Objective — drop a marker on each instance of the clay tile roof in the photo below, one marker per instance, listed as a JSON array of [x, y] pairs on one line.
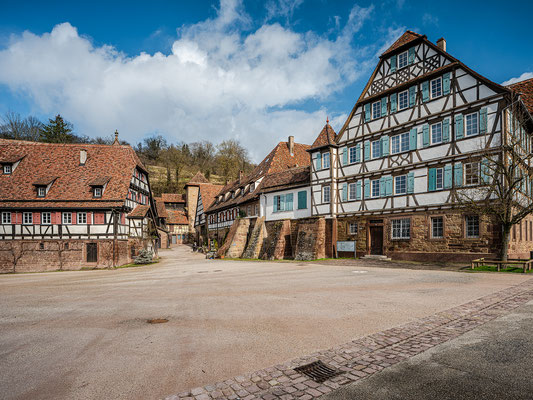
[[209, 191], [177, 217], [173, 198], [160, 206], [326, 137], [101, 181], [406, 38], [139, 211], [10, 159], [198, 178], [44, 181], [286, 179], [39, 162], [525, 88]]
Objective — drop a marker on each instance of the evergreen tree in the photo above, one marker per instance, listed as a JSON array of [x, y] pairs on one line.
[[57, 131]]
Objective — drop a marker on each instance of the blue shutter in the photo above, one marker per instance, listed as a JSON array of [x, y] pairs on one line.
[[393, 64], [367, 112], [276, 203], [367, 150], [393, 103], [288, 201], [358, 190], [384, 106], [410, 182], [446, 83], [302, 200], [383, 186], [344, 155], [483, 120], [448, 176], [319, 161], [458, 174], [389, 186], [459, 131], [412, 96], [413, 137], [485, 171], [384, 145], [432, 179], [282, 202], [446, 130], [425, 135], [358, 152], [344, 192], [367, 188], [425, 91], [411, 55]]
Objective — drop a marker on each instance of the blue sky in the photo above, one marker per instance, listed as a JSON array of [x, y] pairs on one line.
[[256, 71]]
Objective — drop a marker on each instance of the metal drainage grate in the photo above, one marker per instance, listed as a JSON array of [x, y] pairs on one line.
[[318, 371]]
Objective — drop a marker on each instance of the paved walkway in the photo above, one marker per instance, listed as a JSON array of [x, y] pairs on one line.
[[366, 356]]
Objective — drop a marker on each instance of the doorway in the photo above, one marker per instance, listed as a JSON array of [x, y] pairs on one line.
[[92, 253], [376, 240]]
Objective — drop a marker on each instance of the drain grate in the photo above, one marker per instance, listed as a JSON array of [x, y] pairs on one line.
[[318, 371]]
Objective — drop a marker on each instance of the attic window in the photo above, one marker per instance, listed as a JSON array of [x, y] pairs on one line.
[[41, 191], [402, 60], [7, 169], [252, 187], [97, 191]]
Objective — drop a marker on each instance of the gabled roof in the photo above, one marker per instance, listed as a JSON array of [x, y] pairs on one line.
[[525, 89], [406, 38], [173, 197], [160, 206], [139, 211], [326, 137], [44, 162], [293, 177], [198, 178]]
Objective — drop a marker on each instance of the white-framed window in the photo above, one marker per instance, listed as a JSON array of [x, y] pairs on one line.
[[41, 191], [437, 227], [6, 218], [27, 218], [82, 218], [352, 227], [66, 218], [436, 133], [46, 218], [325, 160], [472, 124], [376, 110], [439, 178], [401, 228], [400, 143], [7, 169], [375, 188], [403, 100], [376, 149], [403, 60], [326, 194], [436, 87], [353, 154], [472, 174], [97, 192], [352, 188], [400, 184], [472, 226]]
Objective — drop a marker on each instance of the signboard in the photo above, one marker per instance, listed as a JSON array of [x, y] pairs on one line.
[[346, 246]]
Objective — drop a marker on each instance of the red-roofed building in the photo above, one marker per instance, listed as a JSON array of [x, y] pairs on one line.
[[171, 211], [68, 206]]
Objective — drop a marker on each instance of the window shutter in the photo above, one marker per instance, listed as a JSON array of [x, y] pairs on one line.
[[319, 161], [425, 91], [458, 174], [282, 202], [358, 152], [302, 200], [410, 182], [289, 199], [393, 64], [413, 137], [344, 192], [384, 106], [358, 190], [412, 96], [344, 155], [432, 179], [37, 218], [367, 150], [446, 130], [448, 176], [393, 103], [411, 55], [459, 131], [483, 120], [367, 112], [367, 188], [383, 186], [385, 145], [446, 83], [425, 135], [122, 218], [90, 218], [276, 203], [485, 171], [74, 220], [389, 186]]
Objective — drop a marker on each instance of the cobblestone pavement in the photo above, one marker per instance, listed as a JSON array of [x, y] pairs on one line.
[[366, 356]]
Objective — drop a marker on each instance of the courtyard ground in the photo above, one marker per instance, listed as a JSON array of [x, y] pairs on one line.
[[84, 334]]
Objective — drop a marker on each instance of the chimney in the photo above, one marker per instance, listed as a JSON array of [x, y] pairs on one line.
[[83, 157], [291, 145], [441, 44], [241, 175], [116, 138]]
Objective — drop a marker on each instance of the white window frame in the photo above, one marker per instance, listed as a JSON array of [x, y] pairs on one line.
[[81, 217], [352, 155], [403, 141], [27, 218], [6, 218], [406, 92], [376, 144], [326, 193], [326, 156], [66, 218], [468, 230], [476, 119], [8, 169], [400, 58], [41, 191], [352, 191], [376, 115], [400, 177], [401, 229], [432, 227], [352, 228], [478, 178], [437, 95], [439, 178], [375, 184], [97, 192], [433, 128], [46, 218]]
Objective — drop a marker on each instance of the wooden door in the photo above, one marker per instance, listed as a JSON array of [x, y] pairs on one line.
[[376, 240], [92, 252]]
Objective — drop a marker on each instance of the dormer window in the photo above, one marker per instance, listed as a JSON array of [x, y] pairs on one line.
[[41, 191], [97, 191], [402, 60], [252, 187], [7, 169]]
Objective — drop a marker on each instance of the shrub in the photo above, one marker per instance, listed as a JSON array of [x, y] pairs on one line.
[[144, 257]]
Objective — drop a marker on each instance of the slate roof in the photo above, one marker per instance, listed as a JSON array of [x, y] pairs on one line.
[[173, 198], [525, 89], [177, 217], [326, 137], [407, 37], [42, 162], [293, 177]]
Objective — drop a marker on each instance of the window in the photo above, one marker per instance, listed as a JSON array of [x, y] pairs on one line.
[[352, 187], [402, 60], [376, 149], [82, 218], [302, 200], [403, 100], [41, 191], [6, 218], [436, 133], [400, 184], [7, 169], [471, 174], [352, 228], [401, 228], [283, 202], [472, 226], [436, 88], [437, 227], [252, 187], [400, 143], [326, 194], [46, 218], [353, 154], [376, 109], [439, 178], [67, 218], [471, 123], [41, 246], [27, 218], [97, 192], [325, 160], [375, 188]]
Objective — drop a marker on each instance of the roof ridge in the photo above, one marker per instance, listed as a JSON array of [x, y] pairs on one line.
[[34, 143]]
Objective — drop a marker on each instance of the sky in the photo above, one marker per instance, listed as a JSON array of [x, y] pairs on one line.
[[255, 71]]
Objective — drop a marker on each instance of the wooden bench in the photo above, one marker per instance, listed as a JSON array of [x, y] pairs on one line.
[[526, 264]]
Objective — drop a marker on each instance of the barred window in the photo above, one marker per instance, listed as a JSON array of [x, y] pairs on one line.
[[353, 228], [472, 226], [437, 227], [403, 100], [400, 184], [401, 228], [436, 87], [436, 133]]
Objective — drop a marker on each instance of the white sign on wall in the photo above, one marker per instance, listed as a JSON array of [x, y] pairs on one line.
[[346, 246]]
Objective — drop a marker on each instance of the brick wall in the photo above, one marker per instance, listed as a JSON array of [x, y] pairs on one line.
[[277, 240], [521, 243], [311, 241]]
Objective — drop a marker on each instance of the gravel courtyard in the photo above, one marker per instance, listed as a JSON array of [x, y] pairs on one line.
[[84, 334]]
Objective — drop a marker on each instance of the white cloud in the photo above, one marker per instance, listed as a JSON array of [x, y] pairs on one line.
[[221, 80], [429, 19], [523, 77], [281, 8]]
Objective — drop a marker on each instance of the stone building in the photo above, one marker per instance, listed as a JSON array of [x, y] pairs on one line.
[[72, 206]]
